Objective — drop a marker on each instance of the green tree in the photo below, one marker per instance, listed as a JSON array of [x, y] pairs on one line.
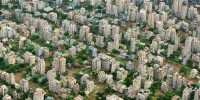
[[66, 47], [126, 42], [127, 81], [109, 90], [185, 70], [190, 62], [89, 7], [114, 75], [142, 38], [100, 96], [82, 93], [155, 85], [151, 29], [115, 51], [94, 73], [44, 81], [166, 96], [69, 59], [70, 97]]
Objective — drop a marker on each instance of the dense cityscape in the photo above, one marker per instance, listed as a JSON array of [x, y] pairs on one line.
[[99, 49]]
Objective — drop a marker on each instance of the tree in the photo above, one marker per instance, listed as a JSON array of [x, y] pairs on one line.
[[89, 7], [30, 48], [66, 47], [70, 97], [36, 77], [151, 29], [192, 95], [69, 59], [94, 73], [44, 81], [100, 7], [2, 62], [126, 42], [94, 29], [15, 6], [185, 70], [114, 75], [34, 37], [142, 38], [77, 75], [66, 34], [130, 52], [166, 96], [100, 96], [127, 81], [190, 62], [155, 85], [141, 46], [151, 38], [131, 73], [58, 76], [26, 95], [12, 86], [82, 93], [108, 90], [115, 51], [81, 57]]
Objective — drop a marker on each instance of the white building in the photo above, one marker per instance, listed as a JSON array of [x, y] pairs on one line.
[[41, 66], [24, 85], [7, 97], [38, 94], [55, 86]]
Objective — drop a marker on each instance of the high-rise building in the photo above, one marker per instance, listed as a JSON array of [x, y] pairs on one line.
[[184, 11], [84, 30], [59, 63], [24, 85], [38, 94], [55, 86], [7, 97], [4, 90], [116, 41], [150, 20], [133, 44], [4, 2], [59, 2], [41, 66], [51, 74]]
